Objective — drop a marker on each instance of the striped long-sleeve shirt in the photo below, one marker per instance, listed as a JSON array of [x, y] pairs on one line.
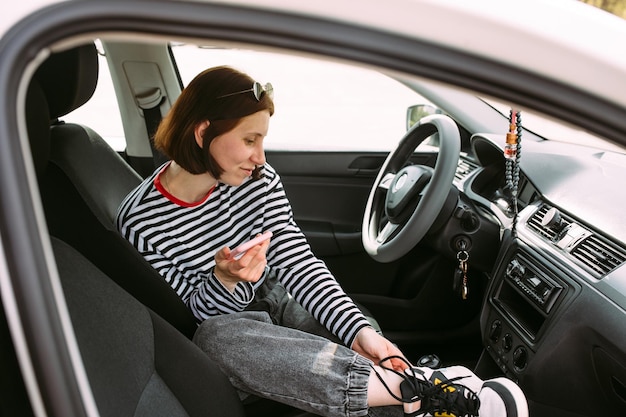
[[180, 241]]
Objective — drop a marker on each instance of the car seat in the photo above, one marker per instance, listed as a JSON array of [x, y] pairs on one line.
[[83, 180], [137, 363]]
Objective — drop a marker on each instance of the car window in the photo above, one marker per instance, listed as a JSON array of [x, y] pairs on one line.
[[320, 105]]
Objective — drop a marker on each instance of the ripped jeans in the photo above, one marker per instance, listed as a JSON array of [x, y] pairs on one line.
[[278, 351]]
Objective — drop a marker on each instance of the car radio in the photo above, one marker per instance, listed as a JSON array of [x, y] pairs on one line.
[[540, 289], [527, 293]]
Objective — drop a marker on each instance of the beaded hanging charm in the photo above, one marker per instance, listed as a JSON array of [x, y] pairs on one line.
[[512, 152]]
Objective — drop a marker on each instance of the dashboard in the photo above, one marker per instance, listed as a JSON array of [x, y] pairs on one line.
[[554, 317]]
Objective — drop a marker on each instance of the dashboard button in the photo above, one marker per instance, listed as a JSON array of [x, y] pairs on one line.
[[507, 342], [495, 331], [520, 358]]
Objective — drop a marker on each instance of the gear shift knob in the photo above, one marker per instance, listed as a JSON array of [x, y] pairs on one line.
[[431, 361]]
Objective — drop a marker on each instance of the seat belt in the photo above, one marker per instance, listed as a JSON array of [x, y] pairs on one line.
[[150, 103]]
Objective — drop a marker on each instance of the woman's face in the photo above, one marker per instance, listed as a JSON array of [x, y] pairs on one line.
[[240, 150]]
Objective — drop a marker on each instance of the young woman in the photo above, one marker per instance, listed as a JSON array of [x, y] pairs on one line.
[[275, 319]]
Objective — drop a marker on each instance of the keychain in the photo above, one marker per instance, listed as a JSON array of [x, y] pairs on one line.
[[460, 274]]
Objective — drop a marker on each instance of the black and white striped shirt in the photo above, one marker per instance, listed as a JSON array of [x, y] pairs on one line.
[[180, 241]]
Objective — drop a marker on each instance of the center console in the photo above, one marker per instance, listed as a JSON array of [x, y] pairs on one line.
[[523, 297]]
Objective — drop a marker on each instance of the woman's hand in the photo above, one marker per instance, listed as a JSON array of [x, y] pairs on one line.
[[248, 268], [375, 347]]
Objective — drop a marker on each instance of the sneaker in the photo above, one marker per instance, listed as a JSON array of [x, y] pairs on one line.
[[457, 392]]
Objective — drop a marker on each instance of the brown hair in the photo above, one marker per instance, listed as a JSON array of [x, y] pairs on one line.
[[207, 97]]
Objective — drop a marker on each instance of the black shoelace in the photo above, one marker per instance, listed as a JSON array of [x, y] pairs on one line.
[[433, 397]]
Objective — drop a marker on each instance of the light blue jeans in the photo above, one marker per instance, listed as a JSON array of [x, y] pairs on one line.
[[277, 350]]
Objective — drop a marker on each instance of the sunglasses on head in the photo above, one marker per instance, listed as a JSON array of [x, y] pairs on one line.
[[257, 89]]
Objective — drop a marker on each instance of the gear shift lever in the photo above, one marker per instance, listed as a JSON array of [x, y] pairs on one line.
[[431, 361]]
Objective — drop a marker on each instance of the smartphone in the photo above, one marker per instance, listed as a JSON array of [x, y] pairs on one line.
[[241, 249]]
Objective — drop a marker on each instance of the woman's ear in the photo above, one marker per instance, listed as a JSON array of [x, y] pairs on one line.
[[199, 131]]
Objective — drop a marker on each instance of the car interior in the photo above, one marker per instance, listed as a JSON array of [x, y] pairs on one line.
[[142, 332], [527, 306]]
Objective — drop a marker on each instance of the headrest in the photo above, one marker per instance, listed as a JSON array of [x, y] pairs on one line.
[[69, 78], [38, 125]]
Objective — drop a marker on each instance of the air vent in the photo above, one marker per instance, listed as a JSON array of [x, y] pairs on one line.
[[596, 253], [535, 223], [464, 168]]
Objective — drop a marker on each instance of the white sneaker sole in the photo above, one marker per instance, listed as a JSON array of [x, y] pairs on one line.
[[512, 395]]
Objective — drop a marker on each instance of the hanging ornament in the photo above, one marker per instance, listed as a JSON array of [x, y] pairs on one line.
[[510, 149], [512, 153]]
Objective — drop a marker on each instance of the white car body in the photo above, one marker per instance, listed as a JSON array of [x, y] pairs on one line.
[[520, 36]]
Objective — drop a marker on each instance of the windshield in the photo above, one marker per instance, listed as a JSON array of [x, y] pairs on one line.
[[556, 131]]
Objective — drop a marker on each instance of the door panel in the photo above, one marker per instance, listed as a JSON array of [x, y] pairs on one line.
[[328, 192]]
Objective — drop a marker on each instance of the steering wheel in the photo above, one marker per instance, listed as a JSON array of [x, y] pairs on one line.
[[405, 199]]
